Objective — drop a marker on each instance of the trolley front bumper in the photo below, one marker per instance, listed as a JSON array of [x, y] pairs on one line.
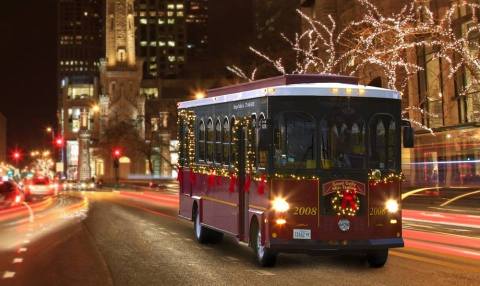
[[306, 246]]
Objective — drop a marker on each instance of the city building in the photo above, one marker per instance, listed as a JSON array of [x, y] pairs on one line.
[[79, 97], [451, 155], [161, 37], [3, 138], [81, 41], [80, 46]]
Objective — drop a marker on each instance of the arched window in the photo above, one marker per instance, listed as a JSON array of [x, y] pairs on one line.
[[391, 142], [233, 146], [261, 152], [226, 142], [210, 141], [294, 140], [218, 142], [383, 139], [201, 141], [252, 139], [342, 135]]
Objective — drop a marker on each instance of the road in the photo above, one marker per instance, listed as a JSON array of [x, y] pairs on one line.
[[124, 238]]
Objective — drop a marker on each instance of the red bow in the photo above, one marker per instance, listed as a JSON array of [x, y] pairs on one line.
[[233, 182], [262, 184], [248, 182], [180, 175], [211, 179], [349, 200], [193, 178]]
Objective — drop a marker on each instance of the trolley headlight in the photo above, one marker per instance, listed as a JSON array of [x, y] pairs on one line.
[[280, 205], [391, 206]]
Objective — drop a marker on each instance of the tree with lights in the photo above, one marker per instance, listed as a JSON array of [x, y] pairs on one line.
[[382, 43]]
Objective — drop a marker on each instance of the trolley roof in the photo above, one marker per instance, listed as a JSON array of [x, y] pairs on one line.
[[293, 85]]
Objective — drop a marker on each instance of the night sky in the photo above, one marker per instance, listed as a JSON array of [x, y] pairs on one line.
[[28, 80]]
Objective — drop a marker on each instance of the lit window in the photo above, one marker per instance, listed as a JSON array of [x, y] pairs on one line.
[[169, 13], [161, 44], [171, 21], [142, 14], [180, 14], [171, 6], [179, 6], [143, 43], [161, 21], [143, 21], [181, 59], [153, 44], [171, 58], [171, 43]]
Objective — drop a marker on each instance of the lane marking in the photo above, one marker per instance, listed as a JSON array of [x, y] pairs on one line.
[[26, 241], [262, 272], [17, 260], [8, 274], [22, 249]]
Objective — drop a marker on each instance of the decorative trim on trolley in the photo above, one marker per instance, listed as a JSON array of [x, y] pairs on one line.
[[206, 198]]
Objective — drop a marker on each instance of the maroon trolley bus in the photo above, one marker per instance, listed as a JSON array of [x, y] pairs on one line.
[[296, 163]]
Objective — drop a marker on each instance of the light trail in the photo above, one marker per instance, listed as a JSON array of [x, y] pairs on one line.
[[408, 194], [459, 197], [442, 249], [469, 221]]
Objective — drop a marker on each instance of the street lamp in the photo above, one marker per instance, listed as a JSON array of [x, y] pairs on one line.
[[200, 94], [95, 108]]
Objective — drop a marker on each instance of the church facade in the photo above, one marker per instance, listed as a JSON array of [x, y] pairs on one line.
[[120, 101]]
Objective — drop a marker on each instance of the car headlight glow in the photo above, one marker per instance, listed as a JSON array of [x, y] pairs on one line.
[[280, 205], [391, 206]]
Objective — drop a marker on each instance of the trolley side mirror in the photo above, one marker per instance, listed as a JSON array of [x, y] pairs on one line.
[[408, 134]]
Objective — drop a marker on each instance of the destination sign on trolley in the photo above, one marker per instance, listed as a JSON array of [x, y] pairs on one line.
[[339, 185]]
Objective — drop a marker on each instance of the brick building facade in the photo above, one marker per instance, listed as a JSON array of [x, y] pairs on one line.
[[450, 156]]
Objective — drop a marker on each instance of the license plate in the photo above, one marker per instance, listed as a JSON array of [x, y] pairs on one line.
[[302, 234]]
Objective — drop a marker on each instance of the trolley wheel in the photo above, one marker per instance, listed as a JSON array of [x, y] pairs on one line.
[[201, 232], [204, 234], [377, 258], [265, 256]]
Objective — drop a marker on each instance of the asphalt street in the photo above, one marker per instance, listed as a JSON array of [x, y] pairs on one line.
[[106, 238]]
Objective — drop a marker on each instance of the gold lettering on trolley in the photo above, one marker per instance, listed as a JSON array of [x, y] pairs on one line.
[[377, 211], [305, 211]]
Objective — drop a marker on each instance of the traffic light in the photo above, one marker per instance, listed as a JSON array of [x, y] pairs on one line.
[[17, 156], [117, 153], [59, 142]]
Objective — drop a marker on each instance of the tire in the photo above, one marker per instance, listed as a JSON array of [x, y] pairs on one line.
[[204, 234], [377, 258], [201, 232], [265, 256]]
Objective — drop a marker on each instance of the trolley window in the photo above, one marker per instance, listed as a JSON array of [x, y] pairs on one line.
[[382, 142], [294, 140]]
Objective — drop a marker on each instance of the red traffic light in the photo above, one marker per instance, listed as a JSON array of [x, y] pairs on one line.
[[16, 155], [59, 142], [117, 153]]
